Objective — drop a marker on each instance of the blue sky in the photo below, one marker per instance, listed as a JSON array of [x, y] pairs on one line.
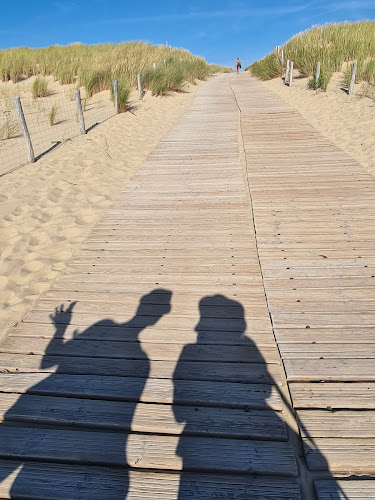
[[218, 30]]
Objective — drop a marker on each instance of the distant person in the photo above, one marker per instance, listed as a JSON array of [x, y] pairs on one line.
[[238, 64]]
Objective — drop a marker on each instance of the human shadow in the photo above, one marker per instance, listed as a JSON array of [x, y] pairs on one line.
[[243, 432], [87, 366]]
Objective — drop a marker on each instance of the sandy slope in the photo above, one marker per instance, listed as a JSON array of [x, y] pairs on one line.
[[347, 121], [48, 208]]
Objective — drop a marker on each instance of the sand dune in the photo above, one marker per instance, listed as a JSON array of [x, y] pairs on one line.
[[48, 208]]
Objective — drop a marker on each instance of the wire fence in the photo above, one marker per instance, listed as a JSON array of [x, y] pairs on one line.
[[50, 121]]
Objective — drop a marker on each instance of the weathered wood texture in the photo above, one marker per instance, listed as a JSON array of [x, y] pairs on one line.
[[355, 490], [155, 350], [104, 483], [314, 216]]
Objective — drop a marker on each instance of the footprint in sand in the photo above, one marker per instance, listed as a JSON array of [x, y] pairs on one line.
[[55, 195], [3, 198], [58, 255], [37, 239], [34, 266]]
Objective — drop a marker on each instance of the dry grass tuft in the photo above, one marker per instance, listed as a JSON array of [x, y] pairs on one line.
[[9, 129], [52, 115], [39, 87]]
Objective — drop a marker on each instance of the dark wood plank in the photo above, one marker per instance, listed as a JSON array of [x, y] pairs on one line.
[[79, 482], [140, 417], [148, 451], [133, 350], [188, 370], [166, 391]]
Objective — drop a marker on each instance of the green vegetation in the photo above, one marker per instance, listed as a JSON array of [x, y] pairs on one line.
[[123, 92], [215, 68], [52, 115], [95, 66], [267, 68], [332, 45], [39, 87]]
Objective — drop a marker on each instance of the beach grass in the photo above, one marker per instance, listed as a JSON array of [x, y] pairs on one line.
[[335, 46], [52, 115], [9, 129], [39, 87], [95, 66]]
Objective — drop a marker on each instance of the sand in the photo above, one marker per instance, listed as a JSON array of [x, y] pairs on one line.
[[48, 208], [347, 121]]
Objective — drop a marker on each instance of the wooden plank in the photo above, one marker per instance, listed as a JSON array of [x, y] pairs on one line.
[[85, 321], [300, 283], [226, 310], [188, 370], [341, 369], [80, 482], [337, 424], [324, 351], [341, 456], [315, 306], [335, 320], [130, 298], [230, 290], [133, 389], [325, 335], [133, 350], [140, 417], [359, 489], [149, 451], [337, 395], [155, 335]]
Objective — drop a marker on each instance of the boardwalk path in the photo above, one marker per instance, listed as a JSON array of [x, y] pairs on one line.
[[151, 369]]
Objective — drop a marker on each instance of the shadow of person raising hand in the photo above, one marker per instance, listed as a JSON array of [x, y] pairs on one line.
[[103, 364]]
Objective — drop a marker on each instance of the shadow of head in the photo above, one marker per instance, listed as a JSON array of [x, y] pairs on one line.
[[154, 306], [221, 314]]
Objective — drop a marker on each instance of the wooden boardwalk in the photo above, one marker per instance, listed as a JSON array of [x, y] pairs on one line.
[[152, 368]]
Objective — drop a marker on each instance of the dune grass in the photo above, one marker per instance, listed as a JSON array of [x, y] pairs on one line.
[[39, 87], [95, 66], [52, 115], [332, 45], [8, 129], [123, 92]]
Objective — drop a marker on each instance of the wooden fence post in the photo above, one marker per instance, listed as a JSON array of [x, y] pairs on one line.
[[154, 66], [287, 71], [282, 57], [115, 94], [352, 78], [165, 63], [25, 131], [291, 73], [139, 86], [317, 73], [80, 112]]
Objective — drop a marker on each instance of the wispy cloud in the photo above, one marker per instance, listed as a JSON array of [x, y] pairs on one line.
[[205, 15], [66, 7]]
